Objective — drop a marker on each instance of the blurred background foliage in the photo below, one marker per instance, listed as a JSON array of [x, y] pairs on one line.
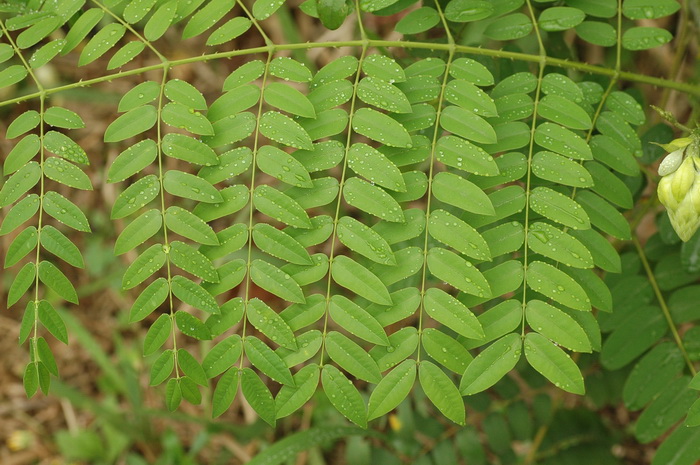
[[103, 412]]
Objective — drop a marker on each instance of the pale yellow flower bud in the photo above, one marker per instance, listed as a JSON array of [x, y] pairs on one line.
[[679, 190]]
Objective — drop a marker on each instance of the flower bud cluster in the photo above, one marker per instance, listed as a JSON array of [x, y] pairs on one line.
[[679, 188]]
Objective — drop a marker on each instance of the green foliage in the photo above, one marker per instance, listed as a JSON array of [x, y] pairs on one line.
[[416, 224]]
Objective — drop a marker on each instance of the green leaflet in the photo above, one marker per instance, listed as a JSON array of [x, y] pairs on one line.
[[267, 361], [63, 118], [19, 213], [55, 280], [289, 399], [157, 334], [192, 326], [189, 225], [288, 99], [184, 93], [189, 149], [445, 350], [452, 313], [231, 275], [557, 326], [230, 313], [193, 294], [357, 320], [235, 197], [12, 75], [557, 285], [323, 191], [348, 273], [284, 130], [149, 299], [58, 244], [51, 320], [276, 281], [173, 393], [21, 245], [280, 244], [131, 123], [162, 367], [382, 94], [65, 147], [559, 208], [299, 316], [450, 230], [66, 173], [364, 240], [558, 245], [380, 128], [280, 206], [138, 231], [371, 164], [230, 164], [609, 186], [553, 363], [277, 163], [225, 391], [469, 97], [125, 54], [459, 273], [468, 125], [46, 356], [462, 154], [230, 240], [21, 284], [491, 364], [189, 186], [392, 389], [268, 322], [563, 141], [222, 356], [19, 183], [21, 154], [651, 375], [132, 160], [441, 392], [372, 199], [141, 94], [403, 343], [23, 123], [455, 190], [65, 211], [229, 31], [309, 344], [352, 357], [136, 196], [150, 261], [180, 116], [556, 168], [344, 395], [191, 367]]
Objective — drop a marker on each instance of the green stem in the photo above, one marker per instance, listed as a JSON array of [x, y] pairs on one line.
[[42, 102], [690, 89], [662, 303], [252, 208], [166, 243], [431, 169], [531, 147], [348, 141]]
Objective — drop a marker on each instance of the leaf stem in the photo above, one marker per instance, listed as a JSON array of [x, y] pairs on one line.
[[662, 303], [436, 134], [690, 89], [348, 141]]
